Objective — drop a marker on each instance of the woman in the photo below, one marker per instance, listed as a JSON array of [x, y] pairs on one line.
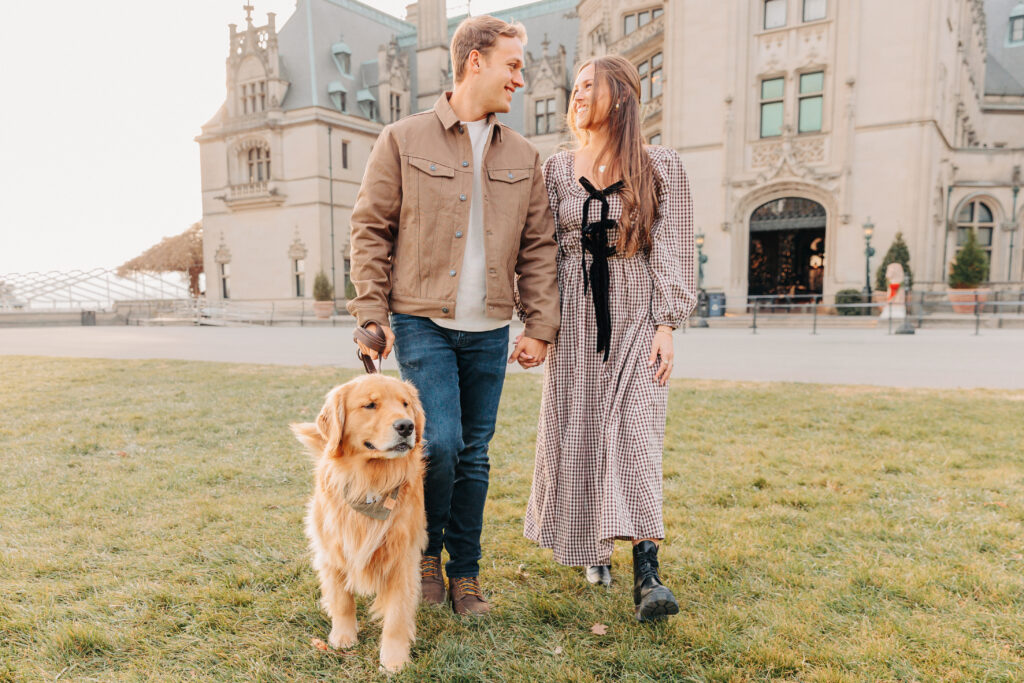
[[625, 271]]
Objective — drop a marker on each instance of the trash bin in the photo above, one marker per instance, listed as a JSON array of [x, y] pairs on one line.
[[88, 318], [716, 304]]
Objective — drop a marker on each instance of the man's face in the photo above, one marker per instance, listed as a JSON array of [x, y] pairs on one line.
[[501, 73]]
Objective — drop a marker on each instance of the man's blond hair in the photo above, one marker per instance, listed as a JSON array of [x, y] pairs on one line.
[[480, 34]]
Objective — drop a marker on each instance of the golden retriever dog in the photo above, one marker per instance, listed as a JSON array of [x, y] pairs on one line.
[[366, 523]]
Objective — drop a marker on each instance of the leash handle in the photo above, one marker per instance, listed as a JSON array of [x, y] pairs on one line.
[[372, 340]]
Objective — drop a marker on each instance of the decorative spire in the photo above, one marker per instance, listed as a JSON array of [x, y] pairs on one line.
[[545, 44], [248, 13]]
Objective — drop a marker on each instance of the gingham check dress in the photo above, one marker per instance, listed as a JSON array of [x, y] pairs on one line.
[[597, 475]]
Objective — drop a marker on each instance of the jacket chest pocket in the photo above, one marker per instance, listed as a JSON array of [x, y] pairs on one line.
[[434, 182], [510, 191]]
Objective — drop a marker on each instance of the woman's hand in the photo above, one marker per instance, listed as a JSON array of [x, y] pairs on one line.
[[662, 346]]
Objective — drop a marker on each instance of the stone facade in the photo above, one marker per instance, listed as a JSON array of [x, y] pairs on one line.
[[797, 120]]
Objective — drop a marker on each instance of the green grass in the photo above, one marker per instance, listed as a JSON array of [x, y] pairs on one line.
[[150, 529]]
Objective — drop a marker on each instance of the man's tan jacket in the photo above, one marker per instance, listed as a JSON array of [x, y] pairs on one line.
[[412, 213]]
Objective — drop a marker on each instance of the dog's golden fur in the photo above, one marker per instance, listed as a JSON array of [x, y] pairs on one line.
[[354, 553]]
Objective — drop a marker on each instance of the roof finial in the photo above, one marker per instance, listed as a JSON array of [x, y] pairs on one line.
[[248, 12], [545, 43]]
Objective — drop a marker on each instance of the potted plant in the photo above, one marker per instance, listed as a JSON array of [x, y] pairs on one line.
[[969, 269], [323, 296]]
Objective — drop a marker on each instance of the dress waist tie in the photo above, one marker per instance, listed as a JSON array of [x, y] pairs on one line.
[[594, 239]]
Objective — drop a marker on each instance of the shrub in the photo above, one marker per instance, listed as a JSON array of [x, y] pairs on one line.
[[898, 253], [850, 296], [322, 290], [970, 268]]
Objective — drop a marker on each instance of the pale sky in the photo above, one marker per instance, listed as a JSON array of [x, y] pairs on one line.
[[100, 107]]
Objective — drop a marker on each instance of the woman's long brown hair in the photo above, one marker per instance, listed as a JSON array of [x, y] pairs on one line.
[[623, 155]]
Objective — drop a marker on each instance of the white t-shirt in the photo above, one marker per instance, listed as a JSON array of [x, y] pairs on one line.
[[471, 297]]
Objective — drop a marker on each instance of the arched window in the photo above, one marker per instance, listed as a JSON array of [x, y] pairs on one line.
[[976, 217], [257, 164]]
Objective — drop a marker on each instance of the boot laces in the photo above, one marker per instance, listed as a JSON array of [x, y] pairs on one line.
[[430, 566], [647, 568], [468, 585]]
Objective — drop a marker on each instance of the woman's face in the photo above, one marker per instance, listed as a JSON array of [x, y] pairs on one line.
[[590, 112]]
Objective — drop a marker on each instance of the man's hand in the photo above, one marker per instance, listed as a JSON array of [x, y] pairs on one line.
[[389, 337], [529, 352]]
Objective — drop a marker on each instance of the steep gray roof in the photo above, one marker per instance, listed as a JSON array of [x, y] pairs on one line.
[[305, 41], [1004, 70]]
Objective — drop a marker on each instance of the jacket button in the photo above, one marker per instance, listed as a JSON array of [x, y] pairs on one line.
[[465, 164], [462, 197], [510, 175], [444, 309], [461, 129], [433, 167], [458, 233], [493, 272], [451, 273]]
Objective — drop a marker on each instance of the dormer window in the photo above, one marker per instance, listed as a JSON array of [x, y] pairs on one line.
[[254, 97], [368, 103], [544, 116], [337, 92], [342, 55], [1016, 36]]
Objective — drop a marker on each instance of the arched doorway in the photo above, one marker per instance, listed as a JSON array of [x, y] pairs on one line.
[[787, 248]]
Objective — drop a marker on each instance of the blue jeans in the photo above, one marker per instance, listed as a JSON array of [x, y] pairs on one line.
[[459, 376]]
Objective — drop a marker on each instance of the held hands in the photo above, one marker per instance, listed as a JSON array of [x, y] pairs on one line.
[[662, 346], [388, 335], [529, 352]]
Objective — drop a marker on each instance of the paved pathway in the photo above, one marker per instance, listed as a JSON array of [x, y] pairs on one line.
[[930, 358]]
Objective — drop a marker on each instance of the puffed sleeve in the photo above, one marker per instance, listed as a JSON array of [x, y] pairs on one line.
[[672, 259]]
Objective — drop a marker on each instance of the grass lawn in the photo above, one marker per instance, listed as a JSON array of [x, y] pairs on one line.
[[150, 529]]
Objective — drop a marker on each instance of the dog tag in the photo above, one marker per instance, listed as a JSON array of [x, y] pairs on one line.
[[389, 503], [371, 499]]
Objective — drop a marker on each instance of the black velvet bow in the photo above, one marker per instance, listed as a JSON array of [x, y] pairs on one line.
[[594, 238]]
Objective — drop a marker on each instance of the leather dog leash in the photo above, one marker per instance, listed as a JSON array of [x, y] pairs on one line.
[[371, 340]]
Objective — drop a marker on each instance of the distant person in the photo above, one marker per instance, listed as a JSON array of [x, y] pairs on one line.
[[429, 251], [625, 234]]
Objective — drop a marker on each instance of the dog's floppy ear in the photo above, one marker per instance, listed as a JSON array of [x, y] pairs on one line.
[[308, 434], [331, 423], [418, 417]]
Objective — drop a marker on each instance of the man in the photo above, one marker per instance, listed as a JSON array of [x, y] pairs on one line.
[[452, 209]]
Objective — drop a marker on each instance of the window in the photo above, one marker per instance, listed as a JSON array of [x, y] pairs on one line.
[[299, 276], [774, 13], [976, 217], [345, 62], [396, 106], [636, 20], [651, 83], [655, 139], [811, 100], [225, 272], [1017, 29], [258, 164], [344, 153], [544, 116], [815, 9], [350, 290], [338, 95], [254, 97], [771, 107]]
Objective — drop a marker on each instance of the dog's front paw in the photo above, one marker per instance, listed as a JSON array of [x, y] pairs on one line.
[[394, 656], [342, 638]]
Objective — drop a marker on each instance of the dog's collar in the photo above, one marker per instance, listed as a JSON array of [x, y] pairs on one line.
[[375, 507]]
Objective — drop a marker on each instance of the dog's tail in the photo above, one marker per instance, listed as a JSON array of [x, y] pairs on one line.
[[308, 434]]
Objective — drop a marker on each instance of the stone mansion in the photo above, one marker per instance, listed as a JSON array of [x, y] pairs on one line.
[[799, 121]]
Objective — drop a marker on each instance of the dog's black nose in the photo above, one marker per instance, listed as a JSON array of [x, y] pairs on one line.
[[403, 427]]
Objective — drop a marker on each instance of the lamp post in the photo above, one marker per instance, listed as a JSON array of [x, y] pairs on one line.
[[869, 251], [702, 296]]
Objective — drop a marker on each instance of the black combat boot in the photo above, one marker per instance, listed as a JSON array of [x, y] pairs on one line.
[[652, 598]]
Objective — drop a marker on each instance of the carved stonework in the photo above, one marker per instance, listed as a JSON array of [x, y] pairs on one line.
[[766, 154], [223, 254], [297, 251], [639, 39], [809, 151]]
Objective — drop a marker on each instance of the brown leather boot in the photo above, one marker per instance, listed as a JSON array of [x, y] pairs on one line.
[[467, 598], [432, 581]]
